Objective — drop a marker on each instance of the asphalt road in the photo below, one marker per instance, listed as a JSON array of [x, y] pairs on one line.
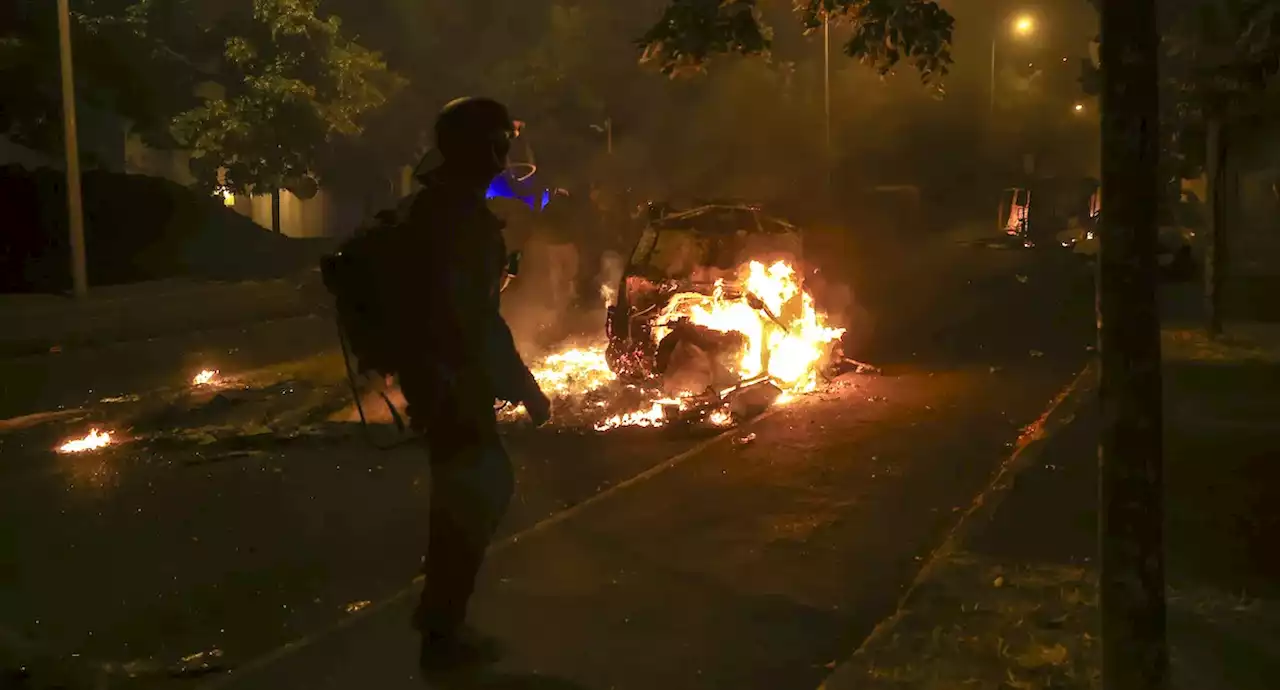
[[80, 376], [750, 563]]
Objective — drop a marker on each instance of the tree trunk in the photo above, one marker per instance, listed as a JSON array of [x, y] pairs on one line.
[[1217, 193], [275, 211], [1131, 511]]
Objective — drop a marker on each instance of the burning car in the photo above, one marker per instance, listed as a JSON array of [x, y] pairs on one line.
[[713, 297]]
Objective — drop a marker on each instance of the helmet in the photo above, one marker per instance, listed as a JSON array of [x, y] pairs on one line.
[[467, 125], [473, 116], [472, 132]]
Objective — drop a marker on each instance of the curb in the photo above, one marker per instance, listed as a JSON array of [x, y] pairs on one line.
[[1031, 443], [198, 307], [36, 347]]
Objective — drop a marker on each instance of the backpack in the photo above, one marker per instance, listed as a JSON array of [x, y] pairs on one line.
[[356, 275]]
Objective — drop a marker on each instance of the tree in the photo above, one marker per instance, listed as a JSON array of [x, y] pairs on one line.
[[1221, 58], [886, 33], [1130, 450], [288, 82], [548, 59], [122, 67]]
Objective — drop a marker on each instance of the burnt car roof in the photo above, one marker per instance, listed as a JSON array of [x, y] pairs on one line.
[[723, 218]]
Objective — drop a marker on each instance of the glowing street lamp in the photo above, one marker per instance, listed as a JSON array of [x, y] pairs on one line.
[[1022, 26], [1079, 108]]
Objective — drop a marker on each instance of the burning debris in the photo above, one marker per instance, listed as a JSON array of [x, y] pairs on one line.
[[573, 372], [92, 441], [205, 378]]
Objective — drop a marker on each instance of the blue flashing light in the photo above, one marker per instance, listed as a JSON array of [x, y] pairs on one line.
[[501, 188]]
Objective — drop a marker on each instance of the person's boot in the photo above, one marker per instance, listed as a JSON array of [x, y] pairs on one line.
[[462, 650]]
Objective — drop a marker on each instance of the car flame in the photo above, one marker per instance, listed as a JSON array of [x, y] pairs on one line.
[[786, 338]]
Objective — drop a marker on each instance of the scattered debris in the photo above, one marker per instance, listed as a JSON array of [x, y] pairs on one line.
[[229, 455], [860, 367], [1021, 278], [1037, 353], [744, 440], [199, 664], [356, 605]]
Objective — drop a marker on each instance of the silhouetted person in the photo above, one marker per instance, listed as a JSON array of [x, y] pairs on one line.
[[456, 356]]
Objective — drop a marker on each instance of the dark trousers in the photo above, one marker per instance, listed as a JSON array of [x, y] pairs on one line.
[[471, 487]]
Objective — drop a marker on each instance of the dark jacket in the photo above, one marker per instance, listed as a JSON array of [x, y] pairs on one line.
[[456, 351]]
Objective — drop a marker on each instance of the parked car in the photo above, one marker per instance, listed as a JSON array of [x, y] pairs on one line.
[[1179, 253], [689, 251]]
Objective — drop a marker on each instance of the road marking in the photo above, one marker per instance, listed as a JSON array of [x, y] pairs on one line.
[[546, 523], [1030, 444]]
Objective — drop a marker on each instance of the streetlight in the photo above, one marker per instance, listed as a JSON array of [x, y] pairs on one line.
[[826, 74], [1023, 26], [826, 94], [1079, 108], [75, 209]]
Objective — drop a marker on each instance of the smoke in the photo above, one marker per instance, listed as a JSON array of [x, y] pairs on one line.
[[609, 277], [542, 296]]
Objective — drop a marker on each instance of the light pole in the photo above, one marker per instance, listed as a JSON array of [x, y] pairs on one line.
[[75, 211], [1023, 25], [826, 99], [826, 76]]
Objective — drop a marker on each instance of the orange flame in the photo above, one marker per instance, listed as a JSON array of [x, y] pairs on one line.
[[92, 441], [205, 377], [787, 340], [786, 336]]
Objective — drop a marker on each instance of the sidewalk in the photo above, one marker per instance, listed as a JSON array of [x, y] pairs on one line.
[[1015, 606], [37, 324]]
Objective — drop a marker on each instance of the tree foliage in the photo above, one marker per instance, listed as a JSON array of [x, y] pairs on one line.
[[290, 82], [122, 67], [1219, 58], [885, 33], [256, 89]]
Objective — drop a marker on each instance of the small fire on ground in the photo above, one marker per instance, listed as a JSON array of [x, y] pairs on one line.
[[785, 339], [92, 441], [205, 378]]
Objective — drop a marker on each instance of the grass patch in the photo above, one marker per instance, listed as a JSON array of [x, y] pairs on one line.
[[977, 624], [1241, 344]]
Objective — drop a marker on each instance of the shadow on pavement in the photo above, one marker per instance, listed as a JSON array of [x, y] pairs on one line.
[[506, 681], [1222, 475]]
